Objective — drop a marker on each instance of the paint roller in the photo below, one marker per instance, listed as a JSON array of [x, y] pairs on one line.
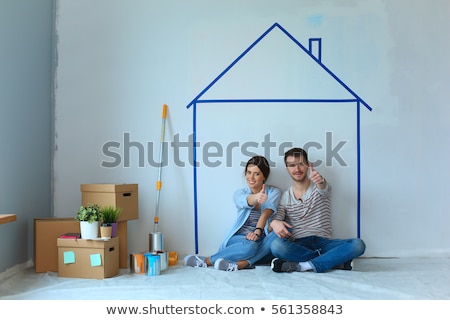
[[159, 182], [156, 238]]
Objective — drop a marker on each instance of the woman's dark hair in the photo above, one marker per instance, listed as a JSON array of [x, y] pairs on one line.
[[261, 163], [296, 153]]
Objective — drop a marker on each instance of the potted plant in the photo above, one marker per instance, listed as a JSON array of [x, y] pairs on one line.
[[89, 217], [110, 215]]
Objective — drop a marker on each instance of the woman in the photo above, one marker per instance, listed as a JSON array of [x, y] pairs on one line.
[[255, 204]]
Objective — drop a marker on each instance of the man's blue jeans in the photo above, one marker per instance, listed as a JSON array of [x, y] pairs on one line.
[[323, 254]]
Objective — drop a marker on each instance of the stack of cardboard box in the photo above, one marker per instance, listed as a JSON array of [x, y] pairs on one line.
[[47, 232]]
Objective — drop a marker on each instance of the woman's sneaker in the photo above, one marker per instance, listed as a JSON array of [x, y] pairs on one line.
[[225, 265], [195, 261], [280, 265]]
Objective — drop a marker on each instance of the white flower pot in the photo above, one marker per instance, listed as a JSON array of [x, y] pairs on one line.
[[89, 230]]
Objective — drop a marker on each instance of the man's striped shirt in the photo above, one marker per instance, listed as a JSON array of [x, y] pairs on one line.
[[309, 216]]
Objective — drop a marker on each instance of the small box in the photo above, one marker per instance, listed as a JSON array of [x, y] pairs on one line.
[[46, 231], [92, 259], [123, 196]]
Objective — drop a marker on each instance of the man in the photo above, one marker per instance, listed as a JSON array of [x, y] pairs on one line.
[[303, 223]]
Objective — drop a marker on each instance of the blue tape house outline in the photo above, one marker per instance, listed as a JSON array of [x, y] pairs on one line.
[[317, 58]]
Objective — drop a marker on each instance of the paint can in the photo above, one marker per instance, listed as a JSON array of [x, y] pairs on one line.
[[153, 264], [155, 242], [163, 256], [137, 263], [173, 258]]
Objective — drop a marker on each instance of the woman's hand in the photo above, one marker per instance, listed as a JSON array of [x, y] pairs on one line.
[[253, 236], [262, 196]]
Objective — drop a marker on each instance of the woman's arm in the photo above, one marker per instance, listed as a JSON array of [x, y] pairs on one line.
[[260, 225]]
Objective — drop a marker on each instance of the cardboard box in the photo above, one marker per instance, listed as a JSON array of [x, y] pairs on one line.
[[122, 233], [46, 231], [92, 259], [124, 196]]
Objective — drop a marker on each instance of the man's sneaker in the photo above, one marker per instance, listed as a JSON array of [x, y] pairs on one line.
[[348, 265], [225, 265], [195, 261], [280, 265]]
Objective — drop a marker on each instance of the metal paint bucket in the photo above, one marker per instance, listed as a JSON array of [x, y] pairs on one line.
[[153, 264], [137, 263], [164, 260], [155, 242]]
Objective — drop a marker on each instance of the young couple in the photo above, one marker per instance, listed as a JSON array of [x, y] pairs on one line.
[[293, 227]]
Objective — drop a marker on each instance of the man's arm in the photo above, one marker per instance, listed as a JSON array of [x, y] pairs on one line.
[[317, 178], [280, 228]]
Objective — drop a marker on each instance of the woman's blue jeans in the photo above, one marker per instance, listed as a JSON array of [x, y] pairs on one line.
[[263, 254], [239, 248], [323, 254]]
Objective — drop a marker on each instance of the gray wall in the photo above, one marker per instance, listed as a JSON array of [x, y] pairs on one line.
[[120, 61], [25, 123]]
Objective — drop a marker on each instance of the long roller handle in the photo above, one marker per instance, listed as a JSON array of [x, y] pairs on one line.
[[159, 182]]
